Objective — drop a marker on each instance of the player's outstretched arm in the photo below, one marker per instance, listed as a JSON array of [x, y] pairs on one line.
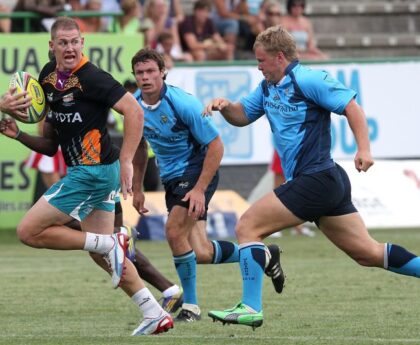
[[133, 131], [47, 144], [233, 112], [357, 121]]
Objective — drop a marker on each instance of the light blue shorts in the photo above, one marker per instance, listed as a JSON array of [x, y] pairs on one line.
[[86, 188]]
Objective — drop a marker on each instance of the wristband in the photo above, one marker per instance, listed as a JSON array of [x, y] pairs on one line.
[[17, 134]]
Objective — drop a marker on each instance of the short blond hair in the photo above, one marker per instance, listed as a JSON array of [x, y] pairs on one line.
[[277, 39], [63, 23]]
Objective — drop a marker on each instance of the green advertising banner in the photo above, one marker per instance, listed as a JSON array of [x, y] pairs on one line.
[[29, 52]]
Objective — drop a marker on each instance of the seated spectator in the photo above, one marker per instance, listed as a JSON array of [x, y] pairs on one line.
[[46, 8], [91, 24], [6, 23], [131, 21], [301, 29], [165, 46], [233, 20], [176, 11], [200, 38], [270, 15], [158, 12]]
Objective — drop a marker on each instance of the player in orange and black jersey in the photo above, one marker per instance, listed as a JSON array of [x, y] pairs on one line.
[[79, 96], [79, 122]]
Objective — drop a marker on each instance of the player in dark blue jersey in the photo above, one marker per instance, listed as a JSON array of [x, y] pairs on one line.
[[188, 151], [297, 102]]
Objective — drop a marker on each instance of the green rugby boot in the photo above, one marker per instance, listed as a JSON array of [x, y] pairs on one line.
[[240, 315]]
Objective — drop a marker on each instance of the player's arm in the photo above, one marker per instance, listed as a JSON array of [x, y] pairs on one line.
[[233, 112], [357, 121], [133, 131], [46, 144], [211, 164], [139, 165]]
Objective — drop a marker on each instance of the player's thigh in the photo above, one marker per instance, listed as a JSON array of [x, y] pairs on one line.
[[41, 216], [265, 217], [349, 233], [99, 222]]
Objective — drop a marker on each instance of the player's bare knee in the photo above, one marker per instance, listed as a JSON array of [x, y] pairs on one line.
[[242, 230], [25, 235]]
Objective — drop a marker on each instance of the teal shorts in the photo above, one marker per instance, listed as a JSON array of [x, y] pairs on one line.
[[86, 188]]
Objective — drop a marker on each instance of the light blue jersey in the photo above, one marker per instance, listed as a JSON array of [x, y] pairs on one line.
[[299, 109], [177, 132]]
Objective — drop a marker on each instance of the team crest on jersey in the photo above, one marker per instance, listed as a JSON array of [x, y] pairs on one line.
[[276, 97], [50, 96], [163, 119]]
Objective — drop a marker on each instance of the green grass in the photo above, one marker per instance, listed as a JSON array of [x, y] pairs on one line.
[[53, 297]]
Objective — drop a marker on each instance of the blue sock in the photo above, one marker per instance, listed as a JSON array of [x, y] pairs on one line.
[[252, 263], [225, 252], [401, 261], [186, 267]]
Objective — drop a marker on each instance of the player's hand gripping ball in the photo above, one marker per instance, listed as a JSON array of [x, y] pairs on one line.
[[23, 81]]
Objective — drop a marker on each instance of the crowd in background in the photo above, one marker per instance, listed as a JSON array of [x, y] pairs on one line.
[[215, 30]]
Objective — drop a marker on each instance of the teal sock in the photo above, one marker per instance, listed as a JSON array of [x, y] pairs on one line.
[[186, 267], [252, 263], [399, 260], [225, 252]]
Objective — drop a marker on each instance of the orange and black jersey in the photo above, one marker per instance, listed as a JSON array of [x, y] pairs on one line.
[[79, 106]]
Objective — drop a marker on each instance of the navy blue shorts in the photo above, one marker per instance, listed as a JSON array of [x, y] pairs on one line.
[[176, 189], [325, 193]]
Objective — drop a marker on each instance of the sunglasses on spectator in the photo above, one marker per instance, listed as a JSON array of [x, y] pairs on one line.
[[273, 14]]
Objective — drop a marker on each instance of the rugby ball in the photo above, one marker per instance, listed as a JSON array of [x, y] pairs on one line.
[[23, 81]]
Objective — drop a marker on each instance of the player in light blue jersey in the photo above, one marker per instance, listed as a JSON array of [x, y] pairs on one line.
[[188, 151], [297, 102]]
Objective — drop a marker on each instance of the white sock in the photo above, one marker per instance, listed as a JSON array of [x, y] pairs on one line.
[[147, 303], [173, 290], [96, 243]]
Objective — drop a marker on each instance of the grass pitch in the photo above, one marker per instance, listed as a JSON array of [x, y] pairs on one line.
[[54, 297]]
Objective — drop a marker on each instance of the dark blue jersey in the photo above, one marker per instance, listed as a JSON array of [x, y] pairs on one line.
[[299, 109], [177, 132]]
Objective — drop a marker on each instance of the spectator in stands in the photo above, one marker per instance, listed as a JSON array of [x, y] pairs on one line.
[[166, 46], [200, 38], [176, 11], [158, 12], [131, 21], [46, 8], [91, 24], [301, 29], [232, 19], [270, 14], [6, 23]]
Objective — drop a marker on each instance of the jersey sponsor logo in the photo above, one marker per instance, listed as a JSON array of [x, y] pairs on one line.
[[285, 108], [67, 117]]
